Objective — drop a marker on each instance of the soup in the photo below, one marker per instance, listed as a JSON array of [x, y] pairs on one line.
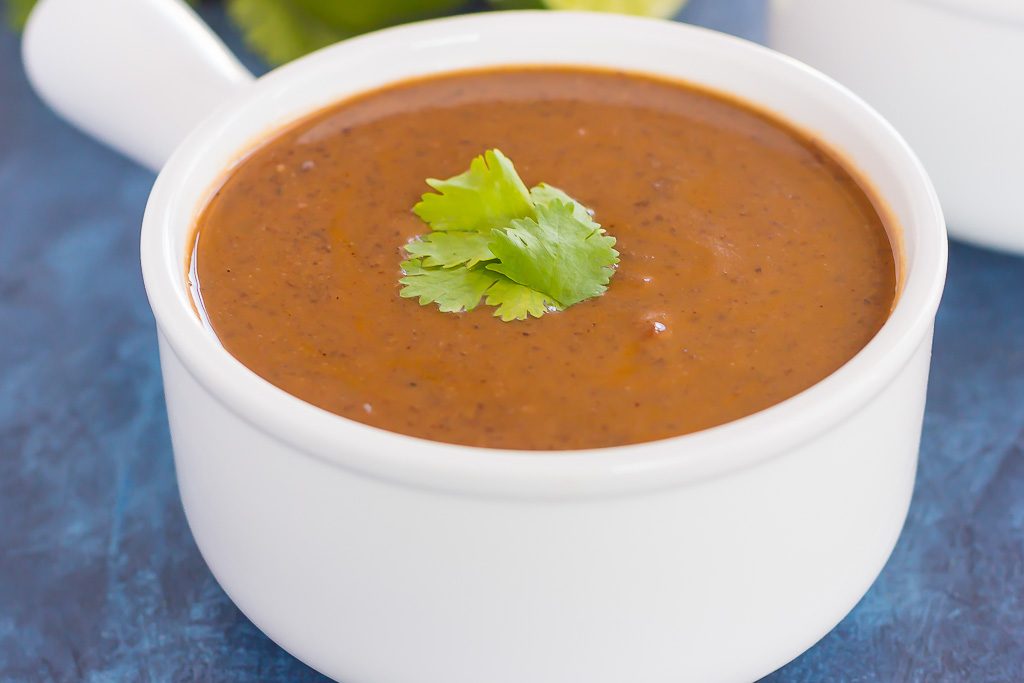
[[752, 263]]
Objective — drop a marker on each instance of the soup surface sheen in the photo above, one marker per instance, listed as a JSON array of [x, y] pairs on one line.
[[752, 264]]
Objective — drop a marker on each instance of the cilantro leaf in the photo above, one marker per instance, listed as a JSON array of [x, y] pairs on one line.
[[450, 249], [556, 254], [452, 289], [544, 193], [460, 289], [525, 252], [517, 302], [488, 195]]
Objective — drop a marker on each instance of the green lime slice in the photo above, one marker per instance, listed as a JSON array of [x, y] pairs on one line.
[[643, 8]]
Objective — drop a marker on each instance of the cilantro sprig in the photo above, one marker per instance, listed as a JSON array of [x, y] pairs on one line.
[[524, 251]]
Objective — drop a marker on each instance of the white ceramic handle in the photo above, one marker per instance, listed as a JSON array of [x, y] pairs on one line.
[[137, 75]]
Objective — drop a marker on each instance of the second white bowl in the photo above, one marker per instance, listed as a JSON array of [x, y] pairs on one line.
[[949, 74]]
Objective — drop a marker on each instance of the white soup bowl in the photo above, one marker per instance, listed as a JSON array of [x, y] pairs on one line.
[[381, 558], [949, 74]]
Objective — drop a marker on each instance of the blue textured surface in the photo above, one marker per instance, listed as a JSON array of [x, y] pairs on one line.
[[100, 580]]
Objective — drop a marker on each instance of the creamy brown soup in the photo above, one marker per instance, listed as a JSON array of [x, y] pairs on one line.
[[753, 264]]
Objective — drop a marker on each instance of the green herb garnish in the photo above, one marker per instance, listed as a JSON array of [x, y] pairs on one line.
[[526, 252], [281, 30]]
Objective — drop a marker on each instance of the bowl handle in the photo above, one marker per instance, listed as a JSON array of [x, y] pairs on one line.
[[136, 75]]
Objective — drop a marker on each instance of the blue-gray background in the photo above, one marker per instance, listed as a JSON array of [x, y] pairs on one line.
[[100, 580]]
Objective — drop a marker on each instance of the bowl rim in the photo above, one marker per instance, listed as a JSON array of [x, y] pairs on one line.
[[618, 470]]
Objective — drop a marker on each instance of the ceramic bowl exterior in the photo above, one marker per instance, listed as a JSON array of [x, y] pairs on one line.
[[381, 558], [949, 74]]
